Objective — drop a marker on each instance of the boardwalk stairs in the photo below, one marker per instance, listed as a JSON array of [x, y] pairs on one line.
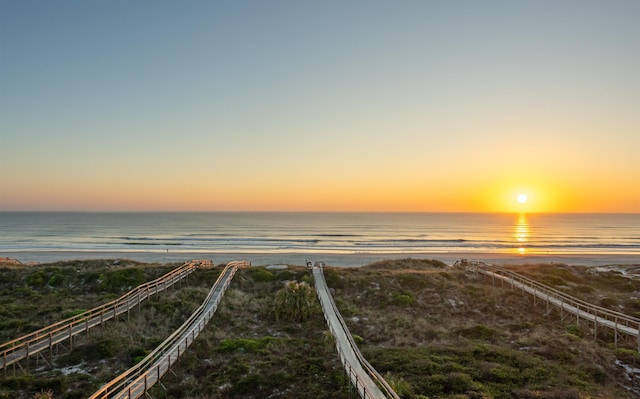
[[623, 326], [58, 334]]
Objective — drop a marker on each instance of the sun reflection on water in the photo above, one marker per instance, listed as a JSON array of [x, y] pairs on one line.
[[521, 233]]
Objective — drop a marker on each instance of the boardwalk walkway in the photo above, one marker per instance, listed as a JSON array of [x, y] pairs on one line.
[[620, 323], [46, 338], [367, 381], [135, 382]]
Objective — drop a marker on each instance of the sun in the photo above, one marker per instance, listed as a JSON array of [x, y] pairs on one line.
[[522, 198]]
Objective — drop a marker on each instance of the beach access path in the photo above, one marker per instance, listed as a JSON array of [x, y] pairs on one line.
[[135, 382], [360, 372], [47, 338]]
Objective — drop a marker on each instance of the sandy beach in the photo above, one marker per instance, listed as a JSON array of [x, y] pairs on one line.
[[339, 260]]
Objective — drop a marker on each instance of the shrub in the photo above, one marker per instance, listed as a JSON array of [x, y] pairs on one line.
[[43, 395], [405, 298], [285, 275], [574, 329], [262, 276], [121, 280], [458, 382], [358, 339], [246, 344], [399, 385], [56, 280], [295, 302], [106, 348], [36, 278], [628, 356]]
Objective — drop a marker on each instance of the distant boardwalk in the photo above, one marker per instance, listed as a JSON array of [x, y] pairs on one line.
[[621, 324]]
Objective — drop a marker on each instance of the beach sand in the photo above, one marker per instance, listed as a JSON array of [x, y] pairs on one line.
[[340, 260]]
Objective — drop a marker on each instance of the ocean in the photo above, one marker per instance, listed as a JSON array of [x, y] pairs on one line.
[[283, 237]]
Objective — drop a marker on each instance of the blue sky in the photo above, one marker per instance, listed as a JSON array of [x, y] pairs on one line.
[[333, 105]]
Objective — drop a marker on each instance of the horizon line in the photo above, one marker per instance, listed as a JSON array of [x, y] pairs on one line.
[[323, 211]]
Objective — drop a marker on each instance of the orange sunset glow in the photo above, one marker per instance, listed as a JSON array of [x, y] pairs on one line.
[[313, 108]]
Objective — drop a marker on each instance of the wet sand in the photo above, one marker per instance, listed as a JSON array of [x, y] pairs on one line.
[[340, 260]]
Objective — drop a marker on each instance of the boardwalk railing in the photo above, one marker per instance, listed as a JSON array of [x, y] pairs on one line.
[[367, 381], [620, 323], [135, 382], [46, 338]]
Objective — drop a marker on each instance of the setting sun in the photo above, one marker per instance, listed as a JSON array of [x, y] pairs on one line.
[[522, 198]]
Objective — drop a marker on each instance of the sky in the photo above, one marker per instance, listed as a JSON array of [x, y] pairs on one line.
[[403, 106]]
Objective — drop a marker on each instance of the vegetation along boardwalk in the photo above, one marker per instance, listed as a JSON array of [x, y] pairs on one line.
[[135, 382], [367, 381], [45, 339]]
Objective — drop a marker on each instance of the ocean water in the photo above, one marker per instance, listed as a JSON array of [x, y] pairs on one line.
[[41, 235]]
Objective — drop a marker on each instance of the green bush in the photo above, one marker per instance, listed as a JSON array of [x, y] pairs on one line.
[[121, 280], [56, 280], [405, 298], [106, 348], [574, 329], [285, 275], [295, 302], [262, 276], [458, 382], [17, 382], [245, 344], [399, 385], [357, 339], [36, 279], [628, 356]]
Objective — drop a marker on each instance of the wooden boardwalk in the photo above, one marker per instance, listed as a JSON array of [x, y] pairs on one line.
[[621, 324], [367, 381], [45, 339], [135, 382]]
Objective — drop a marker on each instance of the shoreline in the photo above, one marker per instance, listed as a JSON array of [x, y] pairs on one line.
[[338, 260]]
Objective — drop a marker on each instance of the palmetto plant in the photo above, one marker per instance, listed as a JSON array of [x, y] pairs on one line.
[[295, 302], [43, 394]]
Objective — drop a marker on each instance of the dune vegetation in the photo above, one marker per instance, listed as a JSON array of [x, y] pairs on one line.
[[431, 330]]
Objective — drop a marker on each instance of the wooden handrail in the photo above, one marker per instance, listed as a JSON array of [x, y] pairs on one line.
[[381, 389], [619, 322], [134, 382], [32, 343]]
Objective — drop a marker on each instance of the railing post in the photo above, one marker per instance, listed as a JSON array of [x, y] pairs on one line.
[[547, 302]]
